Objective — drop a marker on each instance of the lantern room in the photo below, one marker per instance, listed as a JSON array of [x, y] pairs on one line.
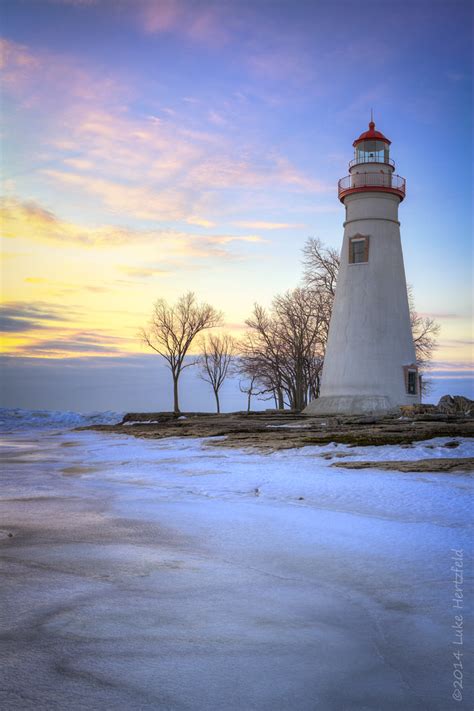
[[371, 147], [372, 169]]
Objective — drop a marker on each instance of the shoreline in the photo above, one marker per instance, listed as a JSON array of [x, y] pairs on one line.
[[275, 431]]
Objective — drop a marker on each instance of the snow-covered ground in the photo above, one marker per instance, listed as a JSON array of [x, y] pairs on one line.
[[174, 574]]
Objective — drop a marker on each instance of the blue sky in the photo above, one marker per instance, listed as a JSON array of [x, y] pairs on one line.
[[155, 147]]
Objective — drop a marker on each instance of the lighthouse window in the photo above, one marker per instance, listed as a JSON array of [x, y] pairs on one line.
[[372, 152], [358, 249], [411, 385], [412, 379]]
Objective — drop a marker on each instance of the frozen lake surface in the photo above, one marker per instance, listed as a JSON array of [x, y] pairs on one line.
[[173, 574]]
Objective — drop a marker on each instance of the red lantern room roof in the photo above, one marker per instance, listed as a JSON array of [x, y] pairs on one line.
[[371, 135]]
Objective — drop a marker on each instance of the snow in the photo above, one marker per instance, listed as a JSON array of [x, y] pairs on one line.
[[296, 426], [140, 422], [176, 574]]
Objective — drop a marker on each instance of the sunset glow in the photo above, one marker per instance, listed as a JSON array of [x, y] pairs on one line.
[[151, 148]]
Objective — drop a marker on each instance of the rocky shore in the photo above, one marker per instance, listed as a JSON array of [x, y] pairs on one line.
[[273, 430]]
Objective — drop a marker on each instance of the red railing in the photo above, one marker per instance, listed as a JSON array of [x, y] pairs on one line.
[[385, 182], [372, 159]]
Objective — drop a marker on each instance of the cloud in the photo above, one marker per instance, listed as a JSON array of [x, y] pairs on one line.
[[16, 56], [49, 331], [140, 202], [441, 368], [262, 225], [20, 317], [200, 221], [144, 272], [35, 280], [456, 342], [29, 220], [79, 163], [77, 342], [29, 76], [439, 315], [206, 23], [160, 168], [216, 118]]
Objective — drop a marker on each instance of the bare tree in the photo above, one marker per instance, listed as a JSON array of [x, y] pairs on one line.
[[320, 266], [303, 319], [217, 353], [261, 355], [248, 389], [284, 347], [425, 332], [320, 271], [173, 328]]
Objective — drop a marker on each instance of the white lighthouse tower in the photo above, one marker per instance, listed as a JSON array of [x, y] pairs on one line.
[[370, 364]]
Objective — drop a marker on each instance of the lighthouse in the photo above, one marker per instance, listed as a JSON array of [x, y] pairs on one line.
[[370, 364]]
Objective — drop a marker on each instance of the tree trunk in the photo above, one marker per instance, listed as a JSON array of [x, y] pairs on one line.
[[175, 394], [216, 393], [299, 396], [318, 386], [248, 400], [281, 402]]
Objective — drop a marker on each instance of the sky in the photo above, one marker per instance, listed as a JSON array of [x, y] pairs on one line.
[[159, 146]]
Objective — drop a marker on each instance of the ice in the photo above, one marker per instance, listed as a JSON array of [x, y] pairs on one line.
[[11, 420], [175, 574]]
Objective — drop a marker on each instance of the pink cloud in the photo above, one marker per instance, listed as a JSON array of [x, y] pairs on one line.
[[161, 171], [162, 16], [205, 23], [139, 201], [263, 225], [148, 167], [41, 79]]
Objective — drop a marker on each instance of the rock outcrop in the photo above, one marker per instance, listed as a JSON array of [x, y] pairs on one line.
[[272, 431], [455, 405]]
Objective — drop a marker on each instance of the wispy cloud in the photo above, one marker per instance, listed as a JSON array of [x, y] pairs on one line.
[[262, 225], [29, 220], [457, 342], [148, 167], [445, 368], [440, 315], [165, 172], [206, 23], [81, 342], [140, 202], [44, 328], [20, 317], [144, 272], [199, 221], [30, 75]]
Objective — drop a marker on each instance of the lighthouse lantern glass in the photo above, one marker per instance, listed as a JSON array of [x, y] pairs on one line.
[[372, 152]]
